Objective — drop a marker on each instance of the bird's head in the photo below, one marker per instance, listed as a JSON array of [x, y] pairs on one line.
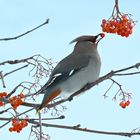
[[89, 38], [87, 42]]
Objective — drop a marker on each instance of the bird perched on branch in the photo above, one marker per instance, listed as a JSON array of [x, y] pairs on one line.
[[76, 70]]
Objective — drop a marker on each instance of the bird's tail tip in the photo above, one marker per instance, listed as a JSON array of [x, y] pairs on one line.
[[38, 110]]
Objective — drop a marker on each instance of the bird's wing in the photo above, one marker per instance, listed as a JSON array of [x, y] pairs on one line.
[[67, 67]]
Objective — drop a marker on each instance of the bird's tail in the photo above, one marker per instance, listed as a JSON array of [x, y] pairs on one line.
[[49, 96]]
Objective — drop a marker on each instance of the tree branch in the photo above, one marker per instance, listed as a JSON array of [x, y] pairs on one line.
[[15, 70], [88, 86], [78, 128], [85, 88], [23, 34], [40, 67], [2, 79], [18, 61]]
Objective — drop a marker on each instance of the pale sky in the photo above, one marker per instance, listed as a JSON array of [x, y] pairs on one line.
[[70, 19]]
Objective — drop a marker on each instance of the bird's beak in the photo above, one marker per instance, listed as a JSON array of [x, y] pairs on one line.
[[100, 37]]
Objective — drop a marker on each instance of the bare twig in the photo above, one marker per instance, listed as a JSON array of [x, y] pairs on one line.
[[117, 6], [32, 119], [23, 34], [5, 123], [36, 133], [86, 87], [15, 70], [40, 68], [126, 74], [3, 111], [14, 90], [78, 128], [18, 61], [105, 94], [121, 92], [2, 79], [40, 125], [90, 85], [127, 134], [9, 119]]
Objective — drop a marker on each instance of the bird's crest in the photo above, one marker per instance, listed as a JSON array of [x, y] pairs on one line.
[[88, 38], [84, 38]]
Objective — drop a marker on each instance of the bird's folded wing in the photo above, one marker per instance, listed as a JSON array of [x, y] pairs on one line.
[[67, 67]]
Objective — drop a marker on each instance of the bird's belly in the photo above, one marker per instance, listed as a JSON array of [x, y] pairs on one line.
[[80, 79]]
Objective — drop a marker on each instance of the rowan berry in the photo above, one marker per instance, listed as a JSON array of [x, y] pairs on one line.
[[16, 100], [11, 129], [102, 35], [1, 103], [18, 125], [22, 95], [122, 104], [122, 26], [127, 103], [3, 94], [104, 21]]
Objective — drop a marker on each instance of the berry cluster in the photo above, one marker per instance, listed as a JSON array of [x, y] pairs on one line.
[[16, 101], [17, 126], [125, 104], [122, 26], [2, 95]]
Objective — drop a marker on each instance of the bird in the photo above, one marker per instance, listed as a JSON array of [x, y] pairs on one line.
[[76, 70]]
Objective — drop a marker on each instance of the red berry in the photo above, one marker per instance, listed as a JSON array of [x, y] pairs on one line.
[[1, 103], [21, 95], [3, 94], [127, 103], [122, 26], [14, 120], [104, 21], [18, 131], [11, 129], [122, 104], [102, 35]]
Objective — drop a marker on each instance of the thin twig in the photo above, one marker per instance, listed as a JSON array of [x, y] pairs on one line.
[[117, 6], [31, 119], [126, 74], [18, 61], [9, 119], [5, 124], [3, 111], [40, 125], [86, 87], [105, 94], [15, 70], [2, 79], [23, 34], [90, 85], [78, 128]]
